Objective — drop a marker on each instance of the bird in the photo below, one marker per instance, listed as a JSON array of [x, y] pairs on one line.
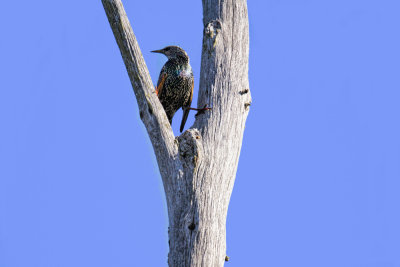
[[175, 83]]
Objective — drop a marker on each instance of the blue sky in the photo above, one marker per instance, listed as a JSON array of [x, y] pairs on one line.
[[319, 174]]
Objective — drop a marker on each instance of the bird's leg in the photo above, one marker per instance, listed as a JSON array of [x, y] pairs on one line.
[[200, 110]]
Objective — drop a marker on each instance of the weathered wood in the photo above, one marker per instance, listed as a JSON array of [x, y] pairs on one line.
[[198, 168]]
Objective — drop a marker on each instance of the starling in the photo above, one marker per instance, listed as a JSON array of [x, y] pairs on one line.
[[176, 82]]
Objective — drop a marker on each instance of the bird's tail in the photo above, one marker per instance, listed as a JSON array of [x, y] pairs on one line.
[[184, 117]]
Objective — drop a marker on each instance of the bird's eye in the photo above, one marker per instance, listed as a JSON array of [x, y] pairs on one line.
[[167, 49]]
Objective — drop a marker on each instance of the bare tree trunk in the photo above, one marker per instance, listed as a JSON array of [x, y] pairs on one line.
[[198, 168]]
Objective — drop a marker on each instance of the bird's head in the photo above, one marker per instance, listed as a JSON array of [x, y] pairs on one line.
[[172, 52]]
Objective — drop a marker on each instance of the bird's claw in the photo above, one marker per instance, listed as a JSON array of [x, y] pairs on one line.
[[201, 110]]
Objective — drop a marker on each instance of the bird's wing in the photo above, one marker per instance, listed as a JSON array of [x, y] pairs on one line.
[[160, 83], [189, 101], [191, 94], [186, 108]]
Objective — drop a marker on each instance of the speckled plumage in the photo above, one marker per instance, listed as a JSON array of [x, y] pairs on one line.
[[175, 84]]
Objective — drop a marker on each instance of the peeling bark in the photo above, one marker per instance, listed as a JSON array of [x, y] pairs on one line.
[[198, 168]]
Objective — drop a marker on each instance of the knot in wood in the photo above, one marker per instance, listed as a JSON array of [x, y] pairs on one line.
[[212, 28], [247, 105], [189, 147], [211, 31]]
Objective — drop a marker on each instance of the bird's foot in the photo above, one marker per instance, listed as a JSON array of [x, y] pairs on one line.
[[201, 110]]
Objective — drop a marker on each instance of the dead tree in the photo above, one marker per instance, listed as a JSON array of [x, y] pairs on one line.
[[198, 168]]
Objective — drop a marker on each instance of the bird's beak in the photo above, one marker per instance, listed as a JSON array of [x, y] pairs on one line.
[[158, 51]]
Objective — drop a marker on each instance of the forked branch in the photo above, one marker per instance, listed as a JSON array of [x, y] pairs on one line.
[[199, 167]]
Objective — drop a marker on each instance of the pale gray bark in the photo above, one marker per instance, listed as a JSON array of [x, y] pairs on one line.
[[198, 168]]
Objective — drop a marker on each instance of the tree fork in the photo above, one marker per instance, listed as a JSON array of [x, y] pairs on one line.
[[198, 168]]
